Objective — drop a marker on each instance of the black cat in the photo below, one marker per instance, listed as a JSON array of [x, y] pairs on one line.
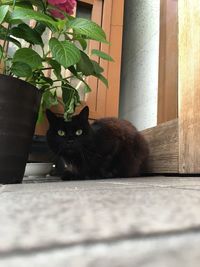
[[107, 148]]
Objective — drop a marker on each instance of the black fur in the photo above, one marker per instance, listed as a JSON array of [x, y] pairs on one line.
[[107, 148]]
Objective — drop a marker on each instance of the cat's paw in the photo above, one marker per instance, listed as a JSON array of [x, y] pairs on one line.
[[70, 176], [67, 175]]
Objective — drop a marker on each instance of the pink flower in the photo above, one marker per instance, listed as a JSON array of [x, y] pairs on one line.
[[65, 5]]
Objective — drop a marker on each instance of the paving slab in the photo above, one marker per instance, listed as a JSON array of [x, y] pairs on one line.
[[43, 216], [174, 251]]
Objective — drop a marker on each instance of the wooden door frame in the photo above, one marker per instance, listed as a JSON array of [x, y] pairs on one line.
[[168, 62], [175, 145]]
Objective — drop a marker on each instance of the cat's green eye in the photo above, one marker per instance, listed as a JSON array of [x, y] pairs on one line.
[[79, 132], [61, 133]]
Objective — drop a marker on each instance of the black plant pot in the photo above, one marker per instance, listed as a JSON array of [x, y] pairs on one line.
[[19, 104]]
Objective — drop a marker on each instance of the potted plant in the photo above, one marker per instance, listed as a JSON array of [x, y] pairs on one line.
[[25, 86]]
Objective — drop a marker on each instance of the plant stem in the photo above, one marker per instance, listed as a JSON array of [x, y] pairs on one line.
[[45, 55], [61, 102], [5, 42], [46, 68], [49, 89]]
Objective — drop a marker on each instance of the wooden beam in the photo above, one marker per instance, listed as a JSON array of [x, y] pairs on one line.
[[114, 68], [189, 86], [89, 2], [106, 25], [168, 61], [163, 145]]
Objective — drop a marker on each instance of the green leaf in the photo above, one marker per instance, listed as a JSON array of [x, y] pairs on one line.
[[76, 74], [67, 94], [37, 3], [21, 69], [4, 36], [24, 3], [70, 98], [28, 56], [61, 24], [88, 28], [87, 89], [82, 42], [64, 52], [101, 55], [45, 81], [50, 99], [25, 14], [73, 70], [77, 98], [3, 12], [13, 40], [40, 28], [97, 68], [102, 78], [41, 116], [1, 51], [25, 32], [56, 66], [85, 65], [3, 30]]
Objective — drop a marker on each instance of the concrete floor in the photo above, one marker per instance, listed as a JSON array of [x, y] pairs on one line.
[[143, 222]]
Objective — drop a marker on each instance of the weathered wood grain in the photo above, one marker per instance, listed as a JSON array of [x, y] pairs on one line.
[[189, 86], [114, 68], [163, 145]]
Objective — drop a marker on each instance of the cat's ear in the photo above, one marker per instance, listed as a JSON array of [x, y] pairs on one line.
[[84, 114], [51, 116]]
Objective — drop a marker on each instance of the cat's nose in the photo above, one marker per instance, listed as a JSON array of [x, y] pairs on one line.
[[70, 141]]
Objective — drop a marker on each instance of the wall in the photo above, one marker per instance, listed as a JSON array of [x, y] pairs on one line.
[[139, 78]]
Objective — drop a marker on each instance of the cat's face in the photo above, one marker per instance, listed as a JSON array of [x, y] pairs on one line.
[[68, 137]]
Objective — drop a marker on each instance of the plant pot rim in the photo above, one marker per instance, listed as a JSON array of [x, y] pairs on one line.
[[8, 77]]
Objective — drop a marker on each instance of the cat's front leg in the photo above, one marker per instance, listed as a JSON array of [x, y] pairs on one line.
[[71, 172], [66, 170], [69, 176]]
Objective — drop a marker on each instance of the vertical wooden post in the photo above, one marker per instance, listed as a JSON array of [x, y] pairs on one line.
[[168, 62], [91, 100], [1, 63], [114, 69], [189, 86]]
